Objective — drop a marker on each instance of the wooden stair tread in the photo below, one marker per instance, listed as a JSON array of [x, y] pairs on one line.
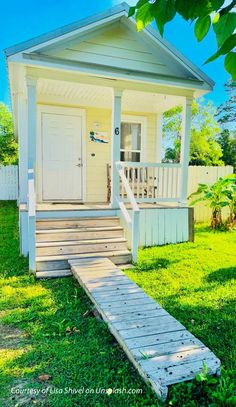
[[76, 219], [81, 242], [75, 256], [79, 230], [53, 273]]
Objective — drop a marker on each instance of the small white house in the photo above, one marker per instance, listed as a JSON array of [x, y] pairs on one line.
[[87, 102]]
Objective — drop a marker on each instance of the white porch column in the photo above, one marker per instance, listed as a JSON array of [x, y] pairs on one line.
[[116, 128], [185, 149], [32, 112], [159, 137], [31, 97], [22, 147]]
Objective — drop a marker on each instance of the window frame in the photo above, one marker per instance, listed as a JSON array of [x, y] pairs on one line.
[[126, 118]]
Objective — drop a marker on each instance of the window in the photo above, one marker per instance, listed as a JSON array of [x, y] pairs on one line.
[[130, 142]]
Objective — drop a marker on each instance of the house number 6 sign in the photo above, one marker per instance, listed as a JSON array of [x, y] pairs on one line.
[[117, 131]]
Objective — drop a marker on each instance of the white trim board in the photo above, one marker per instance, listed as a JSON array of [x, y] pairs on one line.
[[59, 110]]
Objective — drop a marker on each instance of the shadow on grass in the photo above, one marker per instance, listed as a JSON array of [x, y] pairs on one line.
[[77, 351], [152, 263], [222, 275]]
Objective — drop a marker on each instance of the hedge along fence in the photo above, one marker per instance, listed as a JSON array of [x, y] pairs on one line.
[[197, 174], [205, 175], [9, 182]]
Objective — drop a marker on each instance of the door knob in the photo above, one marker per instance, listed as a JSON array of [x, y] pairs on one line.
[[79, 165]]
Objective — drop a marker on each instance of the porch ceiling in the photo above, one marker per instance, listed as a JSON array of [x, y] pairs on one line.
[[78, 94]]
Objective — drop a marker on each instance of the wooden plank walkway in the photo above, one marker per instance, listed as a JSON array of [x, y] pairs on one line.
[[159, 346]]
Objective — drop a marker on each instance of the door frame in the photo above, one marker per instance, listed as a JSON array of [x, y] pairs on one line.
[[130, 118], [39, 161]]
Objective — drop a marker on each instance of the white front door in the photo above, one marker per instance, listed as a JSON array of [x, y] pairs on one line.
[[61, 156]]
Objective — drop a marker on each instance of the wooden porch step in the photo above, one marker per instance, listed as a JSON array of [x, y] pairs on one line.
[[47, 235], [45, 263], [63, 239], [159, 346], [53, 273], [80, 247], [76, 223]]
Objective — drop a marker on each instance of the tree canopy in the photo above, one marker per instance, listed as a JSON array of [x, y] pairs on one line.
[[204, 148], [8, 144], [227, 141], [218, 14], [226, 112]]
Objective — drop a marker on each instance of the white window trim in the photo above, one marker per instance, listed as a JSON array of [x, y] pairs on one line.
[[139, 120], [62, 110]]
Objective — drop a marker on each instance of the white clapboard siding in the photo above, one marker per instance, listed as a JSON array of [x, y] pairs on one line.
[[205, 175], [116, 47], [9, 182]]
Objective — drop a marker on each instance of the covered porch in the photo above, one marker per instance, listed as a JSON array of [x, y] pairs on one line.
[[121, 170], [118, 130]]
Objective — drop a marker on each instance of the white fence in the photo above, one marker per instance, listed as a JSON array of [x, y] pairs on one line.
[[205, 175], [9, 182]]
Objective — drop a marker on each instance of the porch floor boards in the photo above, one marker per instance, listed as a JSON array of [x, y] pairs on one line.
[[160, 347], [96, 206]]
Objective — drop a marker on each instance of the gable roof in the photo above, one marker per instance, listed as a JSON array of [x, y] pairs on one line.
[[110, 15]]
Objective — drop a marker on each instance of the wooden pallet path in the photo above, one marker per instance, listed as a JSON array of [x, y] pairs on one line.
[[159, 346]]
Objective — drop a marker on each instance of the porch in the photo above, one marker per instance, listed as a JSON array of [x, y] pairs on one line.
[[67, 167]]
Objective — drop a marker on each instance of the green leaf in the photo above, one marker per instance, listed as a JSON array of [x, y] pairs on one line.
[[230, 64], [144, 16], [202, 26], [216, 18], [224, 27], [141, 3], [131, 11], [191, 10], [227, 46], [182, 7], [164, 11]]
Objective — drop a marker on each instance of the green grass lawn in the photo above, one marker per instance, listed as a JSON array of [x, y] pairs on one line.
[[45, 329]]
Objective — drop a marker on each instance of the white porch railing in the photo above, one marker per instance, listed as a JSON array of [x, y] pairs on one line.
[[152, 182], [31, 220], [132, 221]]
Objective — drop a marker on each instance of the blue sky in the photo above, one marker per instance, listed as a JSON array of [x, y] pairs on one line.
[[26, 19]]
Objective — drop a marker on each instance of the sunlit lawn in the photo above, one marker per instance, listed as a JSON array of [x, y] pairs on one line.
[[44, 329]]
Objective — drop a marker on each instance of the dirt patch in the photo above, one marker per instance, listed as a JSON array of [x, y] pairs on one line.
[[26, 394], [21, 392], [11, 338]]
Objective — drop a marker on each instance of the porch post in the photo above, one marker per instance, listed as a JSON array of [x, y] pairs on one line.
[[185, 149], [159, 137], [32, 109], [116, 125]]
